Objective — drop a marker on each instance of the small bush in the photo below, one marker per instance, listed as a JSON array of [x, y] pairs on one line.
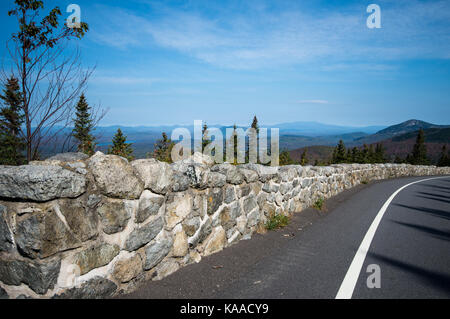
[[277, 221], [319, 204]]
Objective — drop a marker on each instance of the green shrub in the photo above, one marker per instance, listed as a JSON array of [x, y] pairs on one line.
[[277, 221], [319, 204]]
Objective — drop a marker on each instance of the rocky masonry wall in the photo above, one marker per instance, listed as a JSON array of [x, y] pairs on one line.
[[77, 227]]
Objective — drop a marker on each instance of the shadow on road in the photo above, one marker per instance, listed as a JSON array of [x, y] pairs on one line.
[[438, 280], [431, 211], [434, 198], [436, 233]]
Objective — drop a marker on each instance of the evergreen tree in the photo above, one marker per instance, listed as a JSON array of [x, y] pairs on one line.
[[255, 124], [205, 138], [163, 149], [120, 147], [304, 159], [12, 144], [444, 159], [285, 158], [371, 155], [339, 154], [419, 153], [398, 160], [355, 155], [364, 156], [379, 154], [83, 127]]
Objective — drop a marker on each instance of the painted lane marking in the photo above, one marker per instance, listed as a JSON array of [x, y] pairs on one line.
[[351, 278]]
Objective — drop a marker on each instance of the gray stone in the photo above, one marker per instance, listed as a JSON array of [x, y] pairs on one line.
[[143, 235], [95, 257], [149, 205], [113, 216], [215, 200], [115, 177], [157, 176], [249, 175], [40, 183], [96, 288], [6, 238], [180, 182], [244, 191], [44, 234], [93, 200], [191, 225], [156, 252], [127, 269], [81, 220], [3, 294], [253, 218], [285, 188], [230, 194], [235, 210], [38, 276], [249, 204], [216, 179], [203, 232], [232, 173], [68, 157]]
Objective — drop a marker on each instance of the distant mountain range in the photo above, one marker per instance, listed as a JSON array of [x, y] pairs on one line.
[[293, 136], [398, 140]]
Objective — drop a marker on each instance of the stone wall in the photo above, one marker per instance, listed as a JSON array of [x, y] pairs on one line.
[[77, 227]]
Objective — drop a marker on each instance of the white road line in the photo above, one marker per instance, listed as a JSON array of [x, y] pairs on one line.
[[351, 278]]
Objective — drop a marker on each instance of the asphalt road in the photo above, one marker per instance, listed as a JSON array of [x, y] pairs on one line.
[[311, 257]]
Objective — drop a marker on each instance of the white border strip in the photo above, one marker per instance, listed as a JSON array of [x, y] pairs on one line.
[[351, 278]]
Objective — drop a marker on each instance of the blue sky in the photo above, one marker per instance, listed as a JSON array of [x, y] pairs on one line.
[[171, 62]]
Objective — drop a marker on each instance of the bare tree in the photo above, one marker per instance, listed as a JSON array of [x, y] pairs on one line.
[[49, 70]]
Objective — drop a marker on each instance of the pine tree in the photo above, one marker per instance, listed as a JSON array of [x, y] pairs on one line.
[[205, 138], [120, 147], [163, 149], [339, 154], [398, 160], [355, 155], [419, 153], [364, 155], [255, 124], [444, 159], [12, 143], [379, 154], [304, 159], [83, 127], [285, 158]]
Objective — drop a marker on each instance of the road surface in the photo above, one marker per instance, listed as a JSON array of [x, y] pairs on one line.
[[313, 255]]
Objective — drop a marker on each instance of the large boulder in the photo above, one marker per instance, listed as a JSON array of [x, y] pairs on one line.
[[44, 234], [156, 251], [68, 157], [38, 276], [115, 177], [149, 205], [6, 239], [126, 270], [96, 288], [40, 183], [157, 176], [95, 257], [144, 234], [114, 215]]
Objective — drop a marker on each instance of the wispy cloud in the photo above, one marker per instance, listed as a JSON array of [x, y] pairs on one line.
[[312, 102], [263, 38]]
